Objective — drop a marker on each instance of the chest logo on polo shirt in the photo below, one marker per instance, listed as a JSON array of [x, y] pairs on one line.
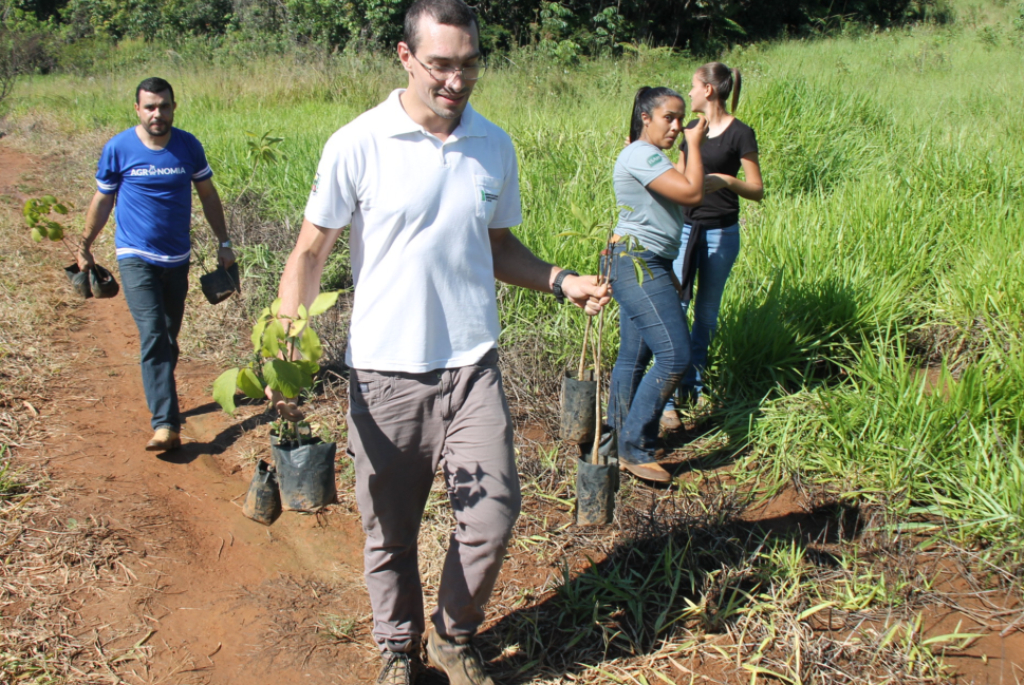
[[655, 159], [152, 170], [487, 197], [316, 183]]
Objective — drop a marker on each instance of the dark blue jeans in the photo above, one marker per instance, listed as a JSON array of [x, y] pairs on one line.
[[651, 323], [156, 299]]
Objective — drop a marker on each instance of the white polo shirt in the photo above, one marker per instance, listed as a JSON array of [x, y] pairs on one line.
[[419, 211]]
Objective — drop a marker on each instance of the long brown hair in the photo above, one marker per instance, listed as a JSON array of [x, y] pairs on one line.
[[723, 80]]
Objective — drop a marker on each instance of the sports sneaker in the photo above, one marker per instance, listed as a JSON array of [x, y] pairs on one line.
[[400, 668], [458, 658]]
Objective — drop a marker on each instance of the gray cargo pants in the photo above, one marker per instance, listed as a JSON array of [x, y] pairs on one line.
[[401, 425]]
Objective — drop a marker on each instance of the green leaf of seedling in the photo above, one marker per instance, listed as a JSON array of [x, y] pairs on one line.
[[275, 306], [257, 335], [323, 302], [49, 200], [309, 345], [37, 235], [60, 209], [272, 338], [297, 328], [224, 390], [303, 312], [250, 384], [288, 378], [56, 232], [309, 368]]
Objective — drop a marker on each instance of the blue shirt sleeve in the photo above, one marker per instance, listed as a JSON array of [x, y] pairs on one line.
[[108, 171], [646, 163], [202, 167]]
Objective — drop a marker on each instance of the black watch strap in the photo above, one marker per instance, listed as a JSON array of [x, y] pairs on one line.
[[556, 287]]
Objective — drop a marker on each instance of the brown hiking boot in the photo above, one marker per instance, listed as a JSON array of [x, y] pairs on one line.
[[670, 421], [399, 668], [651, 471], [164, 440], [458, 658]]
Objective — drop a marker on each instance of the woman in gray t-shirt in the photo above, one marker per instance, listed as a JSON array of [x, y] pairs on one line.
[[651, 192]]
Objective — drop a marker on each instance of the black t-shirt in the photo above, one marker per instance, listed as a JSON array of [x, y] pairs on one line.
[[721, 155]]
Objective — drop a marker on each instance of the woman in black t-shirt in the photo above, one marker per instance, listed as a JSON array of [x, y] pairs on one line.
[[711, 232]]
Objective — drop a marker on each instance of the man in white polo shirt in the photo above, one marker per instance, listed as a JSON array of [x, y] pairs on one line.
[[431, 190]]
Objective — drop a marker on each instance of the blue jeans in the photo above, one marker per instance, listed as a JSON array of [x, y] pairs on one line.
[[156, 299], [716, 253], [650, 324]]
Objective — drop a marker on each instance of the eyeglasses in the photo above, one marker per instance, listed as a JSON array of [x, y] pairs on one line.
[[469, 73]]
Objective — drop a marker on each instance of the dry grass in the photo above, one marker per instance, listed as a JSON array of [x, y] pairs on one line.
[[54, 565], [53, 561]]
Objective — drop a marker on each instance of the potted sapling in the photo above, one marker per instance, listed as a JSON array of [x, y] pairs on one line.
[[286, 351], [98, 282]]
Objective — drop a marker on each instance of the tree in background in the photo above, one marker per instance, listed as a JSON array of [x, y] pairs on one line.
[[564, 31]]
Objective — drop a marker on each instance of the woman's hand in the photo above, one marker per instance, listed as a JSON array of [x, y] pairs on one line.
[[696, 136], [715, 182]]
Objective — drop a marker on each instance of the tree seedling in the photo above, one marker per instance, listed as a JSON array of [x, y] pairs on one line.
[[261, 150], [37, 213], [286, 353]]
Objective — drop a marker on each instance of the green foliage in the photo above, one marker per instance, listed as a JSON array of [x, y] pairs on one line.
[[562, 31], [286, 350], [262, 149], [163, 19], [37, 215]]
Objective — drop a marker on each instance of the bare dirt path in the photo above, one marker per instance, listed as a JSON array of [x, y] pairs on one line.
[[215, 597]]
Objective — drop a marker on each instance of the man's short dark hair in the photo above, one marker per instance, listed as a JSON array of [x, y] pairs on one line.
[[447, 12], [154, 85]]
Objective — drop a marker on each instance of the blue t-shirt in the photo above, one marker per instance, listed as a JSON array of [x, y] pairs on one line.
[[655, 221], [154, 194]]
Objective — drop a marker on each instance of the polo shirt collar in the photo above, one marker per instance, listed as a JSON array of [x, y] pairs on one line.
[[397, 121]]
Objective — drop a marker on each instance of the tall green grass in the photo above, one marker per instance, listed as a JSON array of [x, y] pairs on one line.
[[894, 175]]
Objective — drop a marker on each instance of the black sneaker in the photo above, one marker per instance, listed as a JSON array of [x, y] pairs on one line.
[[458, 658]]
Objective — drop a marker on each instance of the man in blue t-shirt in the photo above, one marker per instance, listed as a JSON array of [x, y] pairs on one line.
[[150, 169]]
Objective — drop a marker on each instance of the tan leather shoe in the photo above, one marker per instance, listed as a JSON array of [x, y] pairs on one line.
[[670, 421], [164, 440], [651, 471]]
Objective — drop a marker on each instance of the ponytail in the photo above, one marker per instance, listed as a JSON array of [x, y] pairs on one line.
[[723, 80], [644, 102], [737, 84], [636, 120]]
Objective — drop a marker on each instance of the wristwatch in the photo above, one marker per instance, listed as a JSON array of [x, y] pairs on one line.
[[226, 243], [556, 287]]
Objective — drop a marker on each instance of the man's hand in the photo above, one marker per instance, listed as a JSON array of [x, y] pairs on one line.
[[225, 257], [85, 260], [714, 182], [286, 408], [587, 293]]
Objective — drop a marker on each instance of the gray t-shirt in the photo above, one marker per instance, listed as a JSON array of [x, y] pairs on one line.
[[654, 221]]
